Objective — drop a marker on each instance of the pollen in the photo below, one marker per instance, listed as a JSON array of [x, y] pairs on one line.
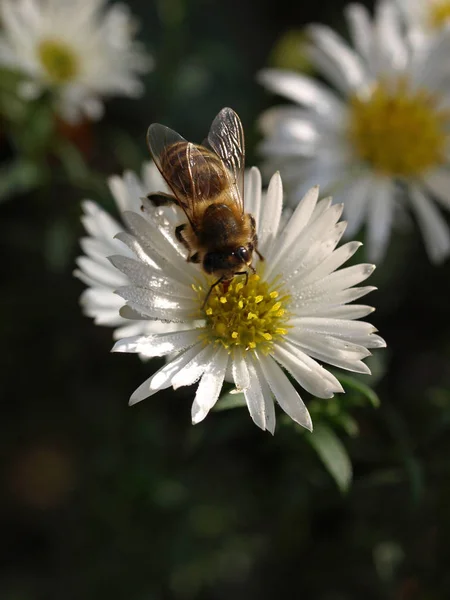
[[439, 13], [246, 315], [397, 130], [59, 61]]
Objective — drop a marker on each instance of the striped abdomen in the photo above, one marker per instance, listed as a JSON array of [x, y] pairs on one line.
[[194, 171]]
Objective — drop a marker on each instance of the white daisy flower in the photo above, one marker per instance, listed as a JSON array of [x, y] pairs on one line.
[[425, 17], [292, 312], [99, 300], [78, 48], [378, 142]]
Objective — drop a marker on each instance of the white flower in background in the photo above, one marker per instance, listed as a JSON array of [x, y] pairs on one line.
[[425, 18], [99, 300], [293, 312], [381, 140], [80, 49]]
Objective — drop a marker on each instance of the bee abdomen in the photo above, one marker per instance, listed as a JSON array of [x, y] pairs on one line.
[[194, 171]]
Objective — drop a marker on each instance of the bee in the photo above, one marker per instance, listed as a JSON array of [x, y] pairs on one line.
[[207, 182]]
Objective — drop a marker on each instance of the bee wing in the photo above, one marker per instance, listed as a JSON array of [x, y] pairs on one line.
[[185, 189], [226, 139], [159, 139]]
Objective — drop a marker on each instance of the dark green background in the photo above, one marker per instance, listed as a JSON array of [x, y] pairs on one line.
[[105, 501]]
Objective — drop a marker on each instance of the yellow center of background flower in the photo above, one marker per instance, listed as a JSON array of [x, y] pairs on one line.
[[399, 131], [59, 61], [250, 316], [439, 13]]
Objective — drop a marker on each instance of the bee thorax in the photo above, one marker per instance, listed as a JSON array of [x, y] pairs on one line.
[[220, 226]]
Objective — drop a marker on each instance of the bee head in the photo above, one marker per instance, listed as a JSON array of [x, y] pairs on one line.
[[227, 263]]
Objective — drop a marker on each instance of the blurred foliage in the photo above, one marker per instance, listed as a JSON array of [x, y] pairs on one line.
[[289, 52], [104, 501]]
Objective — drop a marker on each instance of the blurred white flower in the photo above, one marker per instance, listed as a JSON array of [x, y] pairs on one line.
[[379, 143], [99, 300], [81, 49], [292, 312], [424, 18]]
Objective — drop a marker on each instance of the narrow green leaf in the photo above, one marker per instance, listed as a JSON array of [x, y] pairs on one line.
[[358, 386], [333, 455]]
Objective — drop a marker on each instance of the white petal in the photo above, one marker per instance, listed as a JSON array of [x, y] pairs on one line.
[[438, 182], [103, 274], [356, 201], [101, 305], [314, 257], [162, 379], [269, 405], [331, 350], [128, 329], [296, 224], [120, 193], [339, 62], [98, 222], [295, 123], [346, 329], [321, 207], [210, 385], [157, 305], [255, 399], [331, 263], [240, 373], [381, 212], [390, 40], [284, 392], [311, 379], [434, 228], [347, 311], [148, 277], [270, 215], [360, 27], [158, 344], [194, 369], [316, 302], [302, 90], [331, 284], [252, 194], [291, 259], [98, 249], [152, 240], [136, 249]]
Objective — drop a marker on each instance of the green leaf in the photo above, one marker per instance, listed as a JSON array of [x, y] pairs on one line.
[[348, 424], [58, 246], [19, 177], [230, 400], [361, 388], [333, 455]]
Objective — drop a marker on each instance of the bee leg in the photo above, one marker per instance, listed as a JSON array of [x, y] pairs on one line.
[[255, 238], [160, 198], [246, 274], [220, 280], [179, 235], [194, 258]]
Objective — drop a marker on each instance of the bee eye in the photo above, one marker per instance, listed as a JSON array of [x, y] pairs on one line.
[[243, 254]]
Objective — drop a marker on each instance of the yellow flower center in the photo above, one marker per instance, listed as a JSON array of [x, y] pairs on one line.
[[439, 13], [397, 130], [59, 61], [248, 315]]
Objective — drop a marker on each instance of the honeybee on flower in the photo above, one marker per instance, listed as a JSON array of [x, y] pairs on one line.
[[292, 311]]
